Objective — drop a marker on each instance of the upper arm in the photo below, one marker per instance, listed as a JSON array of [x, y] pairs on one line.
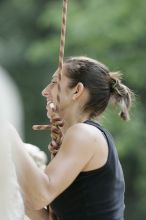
[[73, 155], [42, 188]]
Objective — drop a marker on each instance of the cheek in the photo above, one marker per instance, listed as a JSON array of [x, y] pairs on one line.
[[65, 97], [54, 92], [64, 94]]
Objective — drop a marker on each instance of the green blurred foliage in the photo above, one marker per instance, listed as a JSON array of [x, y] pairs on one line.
[[110, 31]]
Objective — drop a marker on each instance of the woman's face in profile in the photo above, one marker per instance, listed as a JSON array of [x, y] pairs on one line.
[[51, 91]]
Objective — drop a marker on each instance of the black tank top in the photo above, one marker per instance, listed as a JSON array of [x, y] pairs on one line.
[[97, 194]]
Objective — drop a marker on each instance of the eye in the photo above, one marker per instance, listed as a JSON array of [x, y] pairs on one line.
[[53, 82]]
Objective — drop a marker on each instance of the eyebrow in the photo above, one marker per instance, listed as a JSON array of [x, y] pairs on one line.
[[55, 74], [54, 77]]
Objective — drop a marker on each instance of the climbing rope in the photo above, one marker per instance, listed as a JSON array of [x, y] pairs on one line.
[[62, 47], [55, 122]]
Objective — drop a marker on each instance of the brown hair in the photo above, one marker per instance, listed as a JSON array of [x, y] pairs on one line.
[[102, 85]]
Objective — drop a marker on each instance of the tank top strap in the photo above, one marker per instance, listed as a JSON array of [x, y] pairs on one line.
[[102, 129], [108, 137]]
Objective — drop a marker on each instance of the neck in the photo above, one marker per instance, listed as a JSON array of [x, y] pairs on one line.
[[71, 119]]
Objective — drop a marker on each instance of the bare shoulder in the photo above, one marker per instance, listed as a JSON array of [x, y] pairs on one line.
[[89, 142], [82, 130], [82, 136]]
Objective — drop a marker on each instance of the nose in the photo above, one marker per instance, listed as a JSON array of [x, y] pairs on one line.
[[45, 91]]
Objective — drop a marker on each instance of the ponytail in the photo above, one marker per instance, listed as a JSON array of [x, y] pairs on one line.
[[121, 95]]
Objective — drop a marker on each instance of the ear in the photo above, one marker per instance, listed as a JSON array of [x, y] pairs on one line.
[[78, 90]]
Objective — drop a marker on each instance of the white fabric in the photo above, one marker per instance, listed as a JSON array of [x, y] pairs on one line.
[[11, 203]]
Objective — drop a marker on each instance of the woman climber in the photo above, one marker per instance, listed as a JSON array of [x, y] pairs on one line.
[[85, 179]]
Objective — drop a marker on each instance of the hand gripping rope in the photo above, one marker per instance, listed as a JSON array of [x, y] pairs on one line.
[[55, 122]]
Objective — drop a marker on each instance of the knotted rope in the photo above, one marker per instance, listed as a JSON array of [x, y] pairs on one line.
[[55, 122]]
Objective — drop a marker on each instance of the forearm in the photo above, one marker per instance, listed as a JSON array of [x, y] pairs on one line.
[[34, 183]]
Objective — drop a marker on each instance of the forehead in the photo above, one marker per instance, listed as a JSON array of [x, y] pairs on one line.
[[56, 74]]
